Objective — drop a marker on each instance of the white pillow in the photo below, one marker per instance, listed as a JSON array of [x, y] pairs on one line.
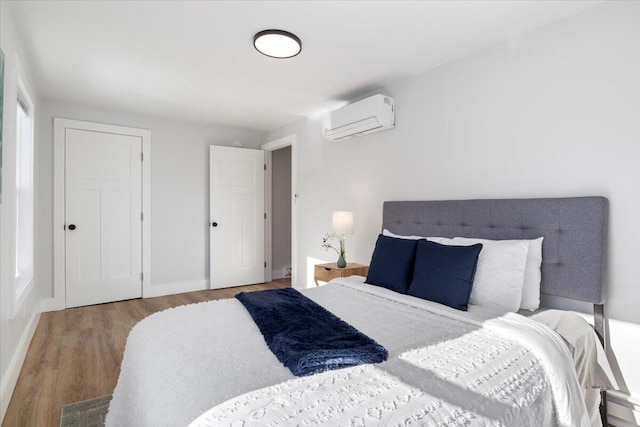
[[532, 273], [500, 272], [441, 240], [532, 276]]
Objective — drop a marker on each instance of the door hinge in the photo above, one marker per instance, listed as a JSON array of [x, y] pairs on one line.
[[265, 264], [141, 277], [141, 216], [265, 215], [141, 157], [265, 167]]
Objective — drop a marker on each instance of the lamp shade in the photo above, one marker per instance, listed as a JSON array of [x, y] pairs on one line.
[[342, 222]]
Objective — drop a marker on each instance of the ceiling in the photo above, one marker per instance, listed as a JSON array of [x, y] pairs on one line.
[[195, 61]]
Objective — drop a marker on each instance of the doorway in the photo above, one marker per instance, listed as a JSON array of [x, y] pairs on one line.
[[280, 231], [281, 213]]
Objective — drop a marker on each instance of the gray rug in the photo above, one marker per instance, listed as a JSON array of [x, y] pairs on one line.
[[88, 413]]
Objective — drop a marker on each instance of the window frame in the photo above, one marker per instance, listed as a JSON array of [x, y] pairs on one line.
[[24, 188]]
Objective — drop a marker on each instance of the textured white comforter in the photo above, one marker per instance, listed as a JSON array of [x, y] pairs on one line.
[[444, 366]]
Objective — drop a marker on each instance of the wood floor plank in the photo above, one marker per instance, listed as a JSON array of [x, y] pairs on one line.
[[75, 354]]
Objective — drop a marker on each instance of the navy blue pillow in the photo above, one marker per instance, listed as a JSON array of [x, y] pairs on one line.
[[444, 273], [392, 263]]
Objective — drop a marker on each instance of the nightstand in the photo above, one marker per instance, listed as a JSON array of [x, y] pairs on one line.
[[326, 272]]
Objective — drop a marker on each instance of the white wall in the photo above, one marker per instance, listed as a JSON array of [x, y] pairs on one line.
[[281, 211], [179, 191], [16, 326], [555, 112]]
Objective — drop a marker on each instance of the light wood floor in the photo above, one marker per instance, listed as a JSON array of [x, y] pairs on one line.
[[76, 353]]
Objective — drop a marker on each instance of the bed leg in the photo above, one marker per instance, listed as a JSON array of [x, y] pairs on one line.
[[603, 407], [599, 326]]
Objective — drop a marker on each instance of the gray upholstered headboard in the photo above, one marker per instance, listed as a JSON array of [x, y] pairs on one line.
[[574, 230]]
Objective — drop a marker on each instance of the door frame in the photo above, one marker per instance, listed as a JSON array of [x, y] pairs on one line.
[[60, 125], [269, 147]]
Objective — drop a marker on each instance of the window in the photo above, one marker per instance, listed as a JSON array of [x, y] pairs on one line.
[[24, 195]]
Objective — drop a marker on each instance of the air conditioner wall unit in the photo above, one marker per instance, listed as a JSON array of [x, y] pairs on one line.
[[373, 114]]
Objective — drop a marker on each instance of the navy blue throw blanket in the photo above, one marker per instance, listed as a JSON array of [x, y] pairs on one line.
[[306, 337]]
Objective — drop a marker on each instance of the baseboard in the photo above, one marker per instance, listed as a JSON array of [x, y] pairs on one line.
[[623, 410], [161, 289], [148, 291], [50, 304], [15, 365], [278, 274], [618, 422]]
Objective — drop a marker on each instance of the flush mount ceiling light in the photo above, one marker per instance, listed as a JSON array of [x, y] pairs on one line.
[[277, 44]]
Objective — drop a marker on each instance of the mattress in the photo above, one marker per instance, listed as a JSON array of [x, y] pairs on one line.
[[198, 363]]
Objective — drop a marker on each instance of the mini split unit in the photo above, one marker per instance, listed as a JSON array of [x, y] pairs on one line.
[[370, 115]]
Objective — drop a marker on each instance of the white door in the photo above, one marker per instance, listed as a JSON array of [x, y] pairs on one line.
[[103, 205], [236, 216]]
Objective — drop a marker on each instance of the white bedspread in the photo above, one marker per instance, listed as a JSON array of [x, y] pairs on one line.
[[444, 365]]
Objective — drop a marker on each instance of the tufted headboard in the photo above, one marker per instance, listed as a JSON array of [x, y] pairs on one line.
[[574, 229]]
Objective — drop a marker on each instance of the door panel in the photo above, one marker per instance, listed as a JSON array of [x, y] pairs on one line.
[[103, 199], [236, 178], [248, 230], [90, 240], [119, 206]]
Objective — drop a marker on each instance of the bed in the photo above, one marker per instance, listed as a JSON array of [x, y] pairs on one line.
[[208, 364]]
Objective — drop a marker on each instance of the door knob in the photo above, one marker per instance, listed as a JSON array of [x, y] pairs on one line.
[[214, 224], [72, 226]]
